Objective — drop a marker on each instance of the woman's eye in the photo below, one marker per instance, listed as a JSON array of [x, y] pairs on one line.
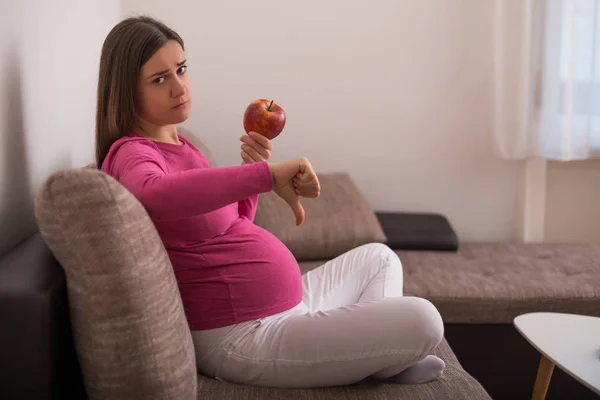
[[182, 69], [159, 80]]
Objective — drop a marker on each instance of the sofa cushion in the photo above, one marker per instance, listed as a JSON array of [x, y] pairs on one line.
[[489, 283], [130, 331], [339, 220], [455, 384]]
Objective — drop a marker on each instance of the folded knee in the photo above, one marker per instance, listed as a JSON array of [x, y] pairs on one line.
[[427, 322], [386, 253], [380, 248]]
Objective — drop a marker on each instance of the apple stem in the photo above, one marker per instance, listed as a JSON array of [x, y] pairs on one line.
[[269, 108]]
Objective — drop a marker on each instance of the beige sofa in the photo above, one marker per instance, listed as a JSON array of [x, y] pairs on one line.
[[129, 328]]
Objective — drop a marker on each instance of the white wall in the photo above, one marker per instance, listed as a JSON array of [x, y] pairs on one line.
[[49, 54], [397, 93], [16, 218]]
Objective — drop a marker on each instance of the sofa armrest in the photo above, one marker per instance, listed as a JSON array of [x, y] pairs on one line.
[[417, 231], [37, 355]]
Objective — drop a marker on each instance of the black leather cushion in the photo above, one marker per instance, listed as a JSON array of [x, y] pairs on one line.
[[37, 355], [416, 231]]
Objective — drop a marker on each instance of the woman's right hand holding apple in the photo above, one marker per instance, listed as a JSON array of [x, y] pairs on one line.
[[293, 179]]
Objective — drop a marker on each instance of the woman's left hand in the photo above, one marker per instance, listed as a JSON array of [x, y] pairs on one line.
[[255, 148]]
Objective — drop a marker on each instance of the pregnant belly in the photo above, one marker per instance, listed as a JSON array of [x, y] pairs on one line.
[[238, 274]]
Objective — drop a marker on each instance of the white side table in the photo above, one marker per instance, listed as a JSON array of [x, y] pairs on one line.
[[571, 342]]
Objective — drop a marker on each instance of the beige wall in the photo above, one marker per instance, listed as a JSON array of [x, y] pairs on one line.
[[49, 53], [397, 93], [573, 202]]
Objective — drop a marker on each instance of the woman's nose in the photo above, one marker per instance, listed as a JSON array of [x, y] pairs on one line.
[[178, 88]]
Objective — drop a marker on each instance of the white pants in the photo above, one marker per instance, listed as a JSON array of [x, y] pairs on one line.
[[353, 323]]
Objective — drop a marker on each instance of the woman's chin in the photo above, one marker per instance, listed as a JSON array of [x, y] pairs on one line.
[[178, 117]]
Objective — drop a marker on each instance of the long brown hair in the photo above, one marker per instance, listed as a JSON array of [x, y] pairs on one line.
[[127, 47]]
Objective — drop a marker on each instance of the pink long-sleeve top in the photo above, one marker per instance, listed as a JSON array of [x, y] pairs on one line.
[[228, 269]]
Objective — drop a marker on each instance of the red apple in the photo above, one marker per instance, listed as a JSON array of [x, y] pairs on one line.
[[264, 117]]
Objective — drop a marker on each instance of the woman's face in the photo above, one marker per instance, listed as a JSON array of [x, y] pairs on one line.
[[163, 93]]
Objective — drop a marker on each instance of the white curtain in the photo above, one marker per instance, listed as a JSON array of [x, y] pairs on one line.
[[547, 79]]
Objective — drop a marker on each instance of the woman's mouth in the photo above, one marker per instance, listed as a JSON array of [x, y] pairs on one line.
[[180, 105]]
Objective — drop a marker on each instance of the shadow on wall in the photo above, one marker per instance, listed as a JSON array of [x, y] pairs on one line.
[[17, 220]]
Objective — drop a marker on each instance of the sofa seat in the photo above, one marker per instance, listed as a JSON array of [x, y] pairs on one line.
[[455, 384], [492, 283]]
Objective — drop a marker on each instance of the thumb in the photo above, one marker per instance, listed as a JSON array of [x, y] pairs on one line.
[[297, 209]]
